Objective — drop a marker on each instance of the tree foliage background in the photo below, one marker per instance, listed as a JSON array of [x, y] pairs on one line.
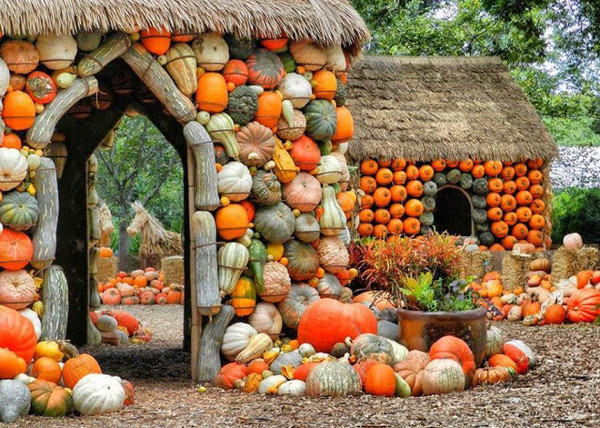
[[141, 166]]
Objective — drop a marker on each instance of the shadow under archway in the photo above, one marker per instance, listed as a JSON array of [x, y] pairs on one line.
[[453, 211]]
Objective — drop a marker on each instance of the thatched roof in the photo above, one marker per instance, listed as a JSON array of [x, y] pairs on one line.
[[325, 21], [425, 108]]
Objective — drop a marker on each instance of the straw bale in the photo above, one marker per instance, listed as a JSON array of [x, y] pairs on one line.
[[173, 269]]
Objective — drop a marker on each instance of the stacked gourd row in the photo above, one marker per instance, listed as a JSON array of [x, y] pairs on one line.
[[350, 358], [399, 197], [140, 287], [119, 328], [276, 109]]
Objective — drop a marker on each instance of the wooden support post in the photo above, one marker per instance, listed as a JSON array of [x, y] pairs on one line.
[[205, 181], [40, 134], [115, 46], [56, 304], [160, 83], [44, 235], [209, 357]]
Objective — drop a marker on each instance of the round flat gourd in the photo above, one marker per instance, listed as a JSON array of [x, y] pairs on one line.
[[321, 119], [276, 223], [19, 211], [13, 168]]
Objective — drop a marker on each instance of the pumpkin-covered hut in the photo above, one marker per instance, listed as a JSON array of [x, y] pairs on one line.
[[244, 90], [450, 143]]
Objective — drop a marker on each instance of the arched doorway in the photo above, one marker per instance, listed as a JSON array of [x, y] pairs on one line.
[[453, 211], [83, 136]]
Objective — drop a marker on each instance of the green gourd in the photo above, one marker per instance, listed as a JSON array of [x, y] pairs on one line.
[[258, 257], [486, 238], [275, 223], [333, 219], [266, 188], [289, 65], [242, 105], [222, 129], [479, 201], [466, 180], [428, 204], [233, 258], [479, 216], [19, 211], [426, 219], [240, 48], [480, 186], [321, 119], [440, 179], [453, 176], [341, 93], [430, 188]]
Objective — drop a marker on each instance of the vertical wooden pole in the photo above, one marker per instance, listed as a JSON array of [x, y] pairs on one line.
[[196, 328]]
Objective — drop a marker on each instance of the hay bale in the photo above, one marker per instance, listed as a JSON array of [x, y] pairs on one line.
[[477, 264], [567, 263], [107, 268], [173, 269], [514, 270]]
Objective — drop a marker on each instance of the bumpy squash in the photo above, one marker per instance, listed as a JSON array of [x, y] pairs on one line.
[[371, 346], [303, 260], [15, 400], [277, 282], [293, 306], [242, 104], [303, 192], [310, 55], [266, 319], [329, 287], [275, 223], [333, 254], [266, 188]]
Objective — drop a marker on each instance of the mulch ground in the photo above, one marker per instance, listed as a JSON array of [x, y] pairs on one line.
[[563, 390]]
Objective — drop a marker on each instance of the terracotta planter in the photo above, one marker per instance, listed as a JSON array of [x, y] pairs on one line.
[[419, 330]]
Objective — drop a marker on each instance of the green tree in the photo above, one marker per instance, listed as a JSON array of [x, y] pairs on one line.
[[140, 166]]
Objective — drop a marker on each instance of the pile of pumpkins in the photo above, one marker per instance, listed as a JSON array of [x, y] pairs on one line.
[[145, 287], [350, 358], [118, 328], [50, 378], [398, 197]]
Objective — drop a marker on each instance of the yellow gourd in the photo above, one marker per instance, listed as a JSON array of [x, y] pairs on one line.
[[285, 168]]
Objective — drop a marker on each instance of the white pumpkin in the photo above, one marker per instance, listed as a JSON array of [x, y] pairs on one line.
[[211, 50], [442, 376], [296, 88], [306, 350], [236, 338], [266, 319], [96, 394], [35, 320], [345, 176], [336, 60], [234, 181], [4, 77], [292, 387], [400, 352], [267, 384], [329, 170], [56, 52], [13, 168]]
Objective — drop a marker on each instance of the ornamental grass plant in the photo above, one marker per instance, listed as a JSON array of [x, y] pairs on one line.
[[421, 273]]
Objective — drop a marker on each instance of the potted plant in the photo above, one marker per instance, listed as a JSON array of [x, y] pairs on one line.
[[422, 277]]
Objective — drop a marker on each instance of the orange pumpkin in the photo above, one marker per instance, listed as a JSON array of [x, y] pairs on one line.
[[412, 226], [384, 176], [324, 84], [508, 173], [368, 167], [535, 237], [584, 277], [380, 380], [365, 229], [412, 172], [510, 218], [535, 163], [452, 163], [520, 169], [382, 196], [537, 222], [414, 208], [366, 215], [522, 183], [399, 177], [345, 125], [535, 176], [366, 201], [494, 214], [493, 199], [11, 141], [156, 41], [523, 214], [499, 229], [269, 109], [105, 252], [524, 197], [19, 111], [250, 209], [509, 242], [398, 193], [509, 203], [77, 367], [385, 163], [212, 94], [16, 249], [531, 308], [555, 314], [382, 216], [395, 226], [520, 231], [465, 165], [509, 187], [536, 190], [478, 171], [46, 368], [236, 72], [537, 206], [368, 184], [426, 172], [495, 185], [438, 165], [493, 168], [396, 210], [231, 221], [502, 360], [414, 188], [398, 164], [380, 231]]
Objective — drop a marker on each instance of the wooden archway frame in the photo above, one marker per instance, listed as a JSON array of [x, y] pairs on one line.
[[467, 195], [201, 184]]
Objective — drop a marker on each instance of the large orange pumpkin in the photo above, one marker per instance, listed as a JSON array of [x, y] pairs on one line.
[[156, 41], [584, 305], [212, 95], [412, 226], [345, 125], [19, 111], [232, 221], [269, 109], [306, 154], [18, 334], [324, 84], [326, 322], [16, 249]]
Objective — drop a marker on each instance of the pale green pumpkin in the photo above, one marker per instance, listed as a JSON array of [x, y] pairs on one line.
[[19, 211]]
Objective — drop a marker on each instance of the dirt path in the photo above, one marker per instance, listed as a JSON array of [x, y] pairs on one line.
[[562, 391]]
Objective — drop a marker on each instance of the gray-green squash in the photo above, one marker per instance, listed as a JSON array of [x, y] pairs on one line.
[[242, 105], [479, 216], [276, 223], [453, 176], [204, 232], [333, 219], [440, 179], [428, 204], [466, 180], [486, 238], [480, 186], [479, 201], [303, 260], [44, 234], [430, 188], [56, 304], [321, 119], [19, 211], [15, 400], [307, 228], [266, 188], [233, 259]]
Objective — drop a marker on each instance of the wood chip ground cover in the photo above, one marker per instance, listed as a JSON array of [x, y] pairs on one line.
[[562, 391]]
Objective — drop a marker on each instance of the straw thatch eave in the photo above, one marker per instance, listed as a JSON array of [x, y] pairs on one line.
[[327, 22], [425, 108]]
